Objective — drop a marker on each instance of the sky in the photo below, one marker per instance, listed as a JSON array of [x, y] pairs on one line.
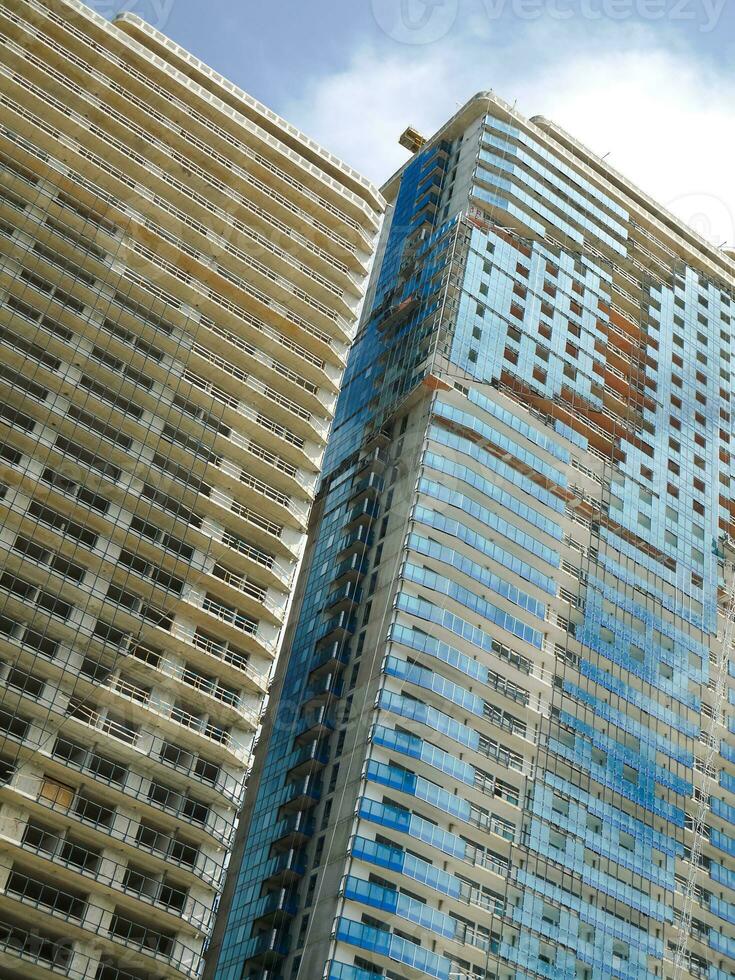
[[649, 84]]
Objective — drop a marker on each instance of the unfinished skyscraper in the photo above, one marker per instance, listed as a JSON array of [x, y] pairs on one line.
[[499, 743]]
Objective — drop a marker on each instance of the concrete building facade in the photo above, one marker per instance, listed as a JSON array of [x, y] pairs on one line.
[[181, 273], [499, 742]]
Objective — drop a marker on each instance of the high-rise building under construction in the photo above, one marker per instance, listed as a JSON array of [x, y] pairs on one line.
[[500, 739], [180, 278]]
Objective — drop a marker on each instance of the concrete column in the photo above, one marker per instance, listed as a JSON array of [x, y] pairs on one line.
[[111, 870], [6, 862], [84, 961], [125, 824], [98, 916], [13, 822]]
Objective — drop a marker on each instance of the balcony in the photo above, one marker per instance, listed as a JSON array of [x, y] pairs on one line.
[[268, 949], [357, 542], [369, 486], [343, 597], [293, 831], [316, 725], [309, 759], [374, 461], [346, 971], [246, 589], [280, 572], [398, 313], [394, 947], [227, 614], [364, 512], [350, 570], [330, 659], [303, 794], [340, 627], [276, 908], [41, 951], [287, 869], [327, 688]]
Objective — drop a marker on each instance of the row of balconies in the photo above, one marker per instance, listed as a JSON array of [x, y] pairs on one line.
[[27, 643], [32, 95], [242, 629], [105, 681], [81, 915], [102, 632], [293, 830], [164, 851], [148, 143], [128, 306], [305, 415], [152, 359], [325, 687], [474, 783], [491, 897], [263, 274], [44, 949], [296, 450], [429, 680], [26, 724], [78, 858], [203, 530], [154, 94], [71, 588], [392, 902], [171, 804], [316, 376], [295, 447]]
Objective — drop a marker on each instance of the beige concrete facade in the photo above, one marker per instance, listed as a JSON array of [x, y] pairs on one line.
[[180, 276]]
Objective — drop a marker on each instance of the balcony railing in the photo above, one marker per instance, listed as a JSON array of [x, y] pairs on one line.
[[222, 651], [89, 864], [177, 715], [185, 808], [209, 687], [76, 909], [41, 950], [127, 830]]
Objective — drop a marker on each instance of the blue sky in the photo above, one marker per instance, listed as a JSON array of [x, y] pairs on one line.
[[649, 82]]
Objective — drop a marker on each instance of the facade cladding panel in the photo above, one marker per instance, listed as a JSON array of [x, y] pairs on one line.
[[181, 276], [495, 723]]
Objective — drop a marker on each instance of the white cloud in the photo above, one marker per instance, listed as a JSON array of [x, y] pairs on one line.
[[665, 121], [665, 124]]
